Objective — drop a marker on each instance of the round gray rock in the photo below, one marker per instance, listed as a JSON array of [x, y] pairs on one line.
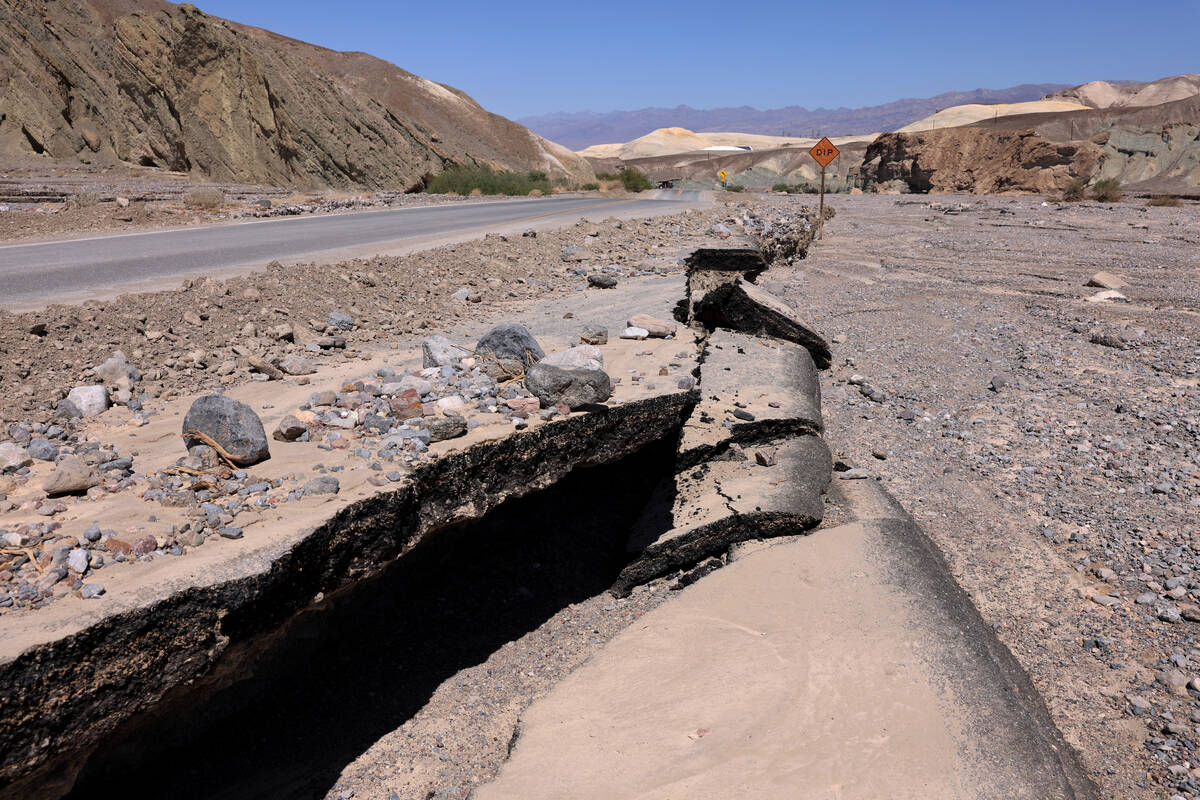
[[232, 425], [572, 386], [510, 344]]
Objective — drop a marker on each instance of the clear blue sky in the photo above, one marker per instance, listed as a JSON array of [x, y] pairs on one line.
[[524, 58]]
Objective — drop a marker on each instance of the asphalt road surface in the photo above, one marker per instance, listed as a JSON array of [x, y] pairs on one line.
[[35, 274]]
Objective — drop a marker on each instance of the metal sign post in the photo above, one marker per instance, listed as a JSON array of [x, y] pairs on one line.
[[823, 152]]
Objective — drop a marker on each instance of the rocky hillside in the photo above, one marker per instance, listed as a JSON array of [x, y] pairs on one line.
[[1151, 149], [152, 83], [975, 160]]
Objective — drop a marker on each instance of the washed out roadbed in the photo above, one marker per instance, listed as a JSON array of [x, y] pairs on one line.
[[1048, 444]]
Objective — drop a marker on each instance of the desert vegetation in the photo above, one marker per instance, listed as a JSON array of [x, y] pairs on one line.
[[482, 179]]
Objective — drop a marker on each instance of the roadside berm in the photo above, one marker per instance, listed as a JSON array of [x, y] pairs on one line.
[[705, 445]]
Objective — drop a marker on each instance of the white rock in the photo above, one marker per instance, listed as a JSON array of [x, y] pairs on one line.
[[90, 400], [13, 457], [635, 333], [451, 405], [1104, 297], [585, 355], [78, 560]]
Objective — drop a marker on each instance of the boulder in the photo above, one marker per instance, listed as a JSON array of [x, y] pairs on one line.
[[322, 484], [655, 328], [442, 428], [602, 281], [114, 369], [289, 429], [43, 449], [1106, 280], [232, 425], [594, 334], [70, 476], [89, 400], [570, 386], [13, 457], [340, 320], [585, 355], [510, 348], [635, 333], [438, 351], [297, 365]]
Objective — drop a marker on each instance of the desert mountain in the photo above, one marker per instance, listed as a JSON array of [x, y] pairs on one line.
[[579, 130], [153, 83]]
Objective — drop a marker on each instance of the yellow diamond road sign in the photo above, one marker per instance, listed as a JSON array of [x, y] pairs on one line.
[[722, 175], [824, 152]]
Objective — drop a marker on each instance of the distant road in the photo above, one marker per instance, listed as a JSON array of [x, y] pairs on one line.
[[36, 274]]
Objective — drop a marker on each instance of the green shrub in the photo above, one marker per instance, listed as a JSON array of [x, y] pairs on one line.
[[781, 187], [1073, 192], [1107, 190], [84, 199], [482, 179], [635, 180], [591, 187], [203, 198], [735, 187], [1164, 200], [606, 176]]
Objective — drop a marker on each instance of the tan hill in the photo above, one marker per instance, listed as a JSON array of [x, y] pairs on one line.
[[956, 116], [152, 83], [1102, 94], [668, 141]]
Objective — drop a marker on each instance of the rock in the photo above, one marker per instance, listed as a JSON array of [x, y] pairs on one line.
[[1000, 383], [462, 295], [1173, 680], [438, 351], [451, 405], [90, 400], [523, 406], [594, 334], [720, 229], [70, 476], [766, 457], [322, 484], [289, 429], [1106, 280], [326, 397], [13, 457], [443, 428], [67, 410], [43, 449], [510, 347], [92, 591], [585, 355], [635, 333], [856, 474], [1106, 296], [297, 365], [654, 327], [78, 560], [743, 415], [602, 281], [572, 386], [114, 369], [573, 253], [340, 320], [265, 367], [232, 425]]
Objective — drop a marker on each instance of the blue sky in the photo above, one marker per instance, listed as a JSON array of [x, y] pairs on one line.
[[526, 58]]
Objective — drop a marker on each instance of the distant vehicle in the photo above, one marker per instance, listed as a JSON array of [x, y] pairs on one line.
[[666, 184]]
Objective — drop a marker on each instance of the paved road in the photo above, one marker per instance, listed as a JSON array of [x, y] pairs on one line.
[[46, 272]]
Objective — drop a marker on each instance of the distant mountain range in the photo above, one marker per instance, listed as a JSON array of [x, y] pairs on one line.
[[578, 130]]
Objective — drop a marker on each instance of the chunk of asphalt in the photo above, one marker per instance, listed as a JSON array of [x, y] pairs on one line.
[[719, 263], [748, 308], [701, 511], [775, 382]]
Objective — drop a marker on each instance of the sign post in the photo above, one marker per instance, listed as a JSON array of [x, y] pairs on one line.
[[823, 152], [722, 175]]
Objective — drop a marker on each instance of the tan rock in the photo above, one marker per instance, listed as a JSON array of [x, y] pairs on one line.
[[657, 328], [1106, 280], [70, 476]]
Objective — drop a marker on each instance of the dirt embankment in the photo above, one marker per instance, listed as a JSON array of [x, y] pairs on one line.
[[155, 84]]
